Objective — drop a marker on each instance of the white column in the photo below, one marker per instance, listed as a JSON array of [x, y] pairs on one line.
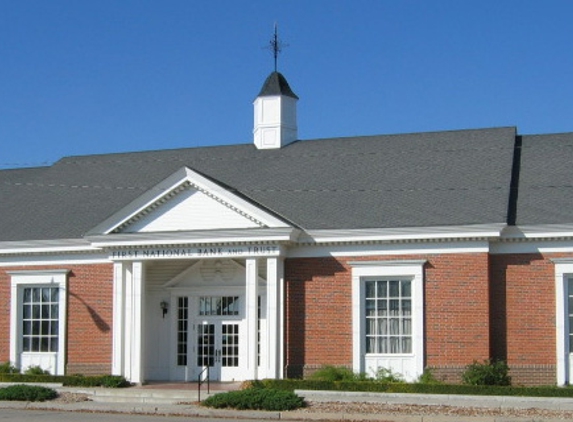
[[281, 322], [251, 315], [274, 333], [15, 316], [137, 375], [117, 361], [132, 326]]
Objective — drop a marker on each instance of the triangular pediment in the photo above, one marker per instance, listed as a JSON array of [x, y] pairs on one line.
[[187, 201]]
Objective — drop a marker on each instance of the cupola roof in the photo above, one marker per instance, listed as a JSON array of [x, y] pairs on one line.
[[276, 84]]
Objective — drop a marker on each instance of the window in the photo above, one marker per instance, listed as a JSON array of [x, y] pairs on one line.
[[182, 330], [38, 319], [564, 319], [388, 317], [388, 325], [218, 306]]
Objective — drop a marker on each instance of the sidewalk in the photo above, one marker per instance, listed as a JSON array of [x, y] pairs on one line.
[[543, 410]]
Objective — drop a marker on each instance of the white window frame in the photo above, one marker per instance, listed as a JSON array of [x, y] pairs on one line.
[[41, 278], [403, 269], [563, 272]]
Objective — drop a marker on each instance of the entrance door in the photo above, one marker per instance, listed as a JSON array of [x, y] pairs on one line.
[[218, 348]]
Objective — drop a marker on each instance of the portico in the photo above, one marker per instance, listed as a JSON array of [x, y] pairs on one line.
[[223, 310]]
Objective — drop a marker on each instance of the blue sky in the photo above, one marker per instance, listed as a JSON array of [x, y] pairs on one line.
[[89, 77]]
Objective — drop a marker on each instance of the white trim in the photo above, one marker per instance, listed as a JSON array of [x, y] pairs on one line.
[[206, 252], [273, 329], [413, 269], [251, 315], [199, 237], [466, 232], [389, 249], [281, 318], [61, 260], [539, 231], [533, 245], [169, 186], [563, 271], [378, 264], [46, 246], [118, 341], [38, 278], [128, 321]]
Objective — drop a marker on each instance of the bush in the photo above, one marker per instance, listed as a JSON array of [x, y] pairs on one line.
[[255, 399], [27, 393], [113, 381], [8, 368], [418, 388], [487, 373], [428, 377], [387, 375], [109, 381], [36, 370], [334, 373]]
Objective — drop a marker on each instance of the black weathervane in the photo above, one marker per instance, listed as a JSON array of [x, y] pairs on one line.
[[276, 45]]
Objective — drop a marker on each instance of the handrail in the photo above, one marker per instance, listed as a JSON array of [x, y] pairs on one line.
[[201, 381]]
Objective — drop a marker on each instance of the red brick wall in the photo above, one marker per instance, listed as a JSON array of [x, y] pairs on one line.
[[89, 330], [319, 315], [4, 317], [523, 309], [90, 319], [456, 309], [523, 316]]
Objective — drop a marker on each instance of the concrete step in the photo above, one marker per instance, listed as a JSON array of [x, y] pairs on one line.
[[143, 395]]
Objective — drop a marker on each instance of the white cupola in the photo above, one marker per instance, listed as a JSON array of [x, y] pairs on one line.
[[275, 114]]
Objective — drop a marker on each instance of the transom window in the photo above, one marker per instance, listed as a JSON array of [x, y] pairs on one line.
[[219, 305], [388, 316], [40, 319]]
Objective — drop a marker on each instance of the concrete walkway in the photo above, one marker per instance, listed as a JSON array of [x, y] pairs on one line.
[[191, 409]]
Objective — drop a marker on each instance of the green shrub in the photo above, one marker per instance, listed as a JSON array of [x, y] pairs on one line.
[[36, 370], [387, 375], [418, 388], [27, 393], [428, 377], [109, 381], [487, 373], [8, 368], [255, 399], [113, 381], [333, 373]]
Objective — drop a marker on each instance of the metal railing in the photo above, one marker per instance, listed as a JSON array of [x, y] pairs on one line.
[[201, 380]]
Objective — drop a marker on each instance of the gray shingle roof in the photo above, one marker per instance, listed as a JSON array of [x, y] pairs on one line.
[[546, 180], [388, 181]]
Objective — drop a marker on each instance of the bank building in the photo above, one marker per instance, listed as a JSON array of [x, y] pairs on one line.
[[272, 258]]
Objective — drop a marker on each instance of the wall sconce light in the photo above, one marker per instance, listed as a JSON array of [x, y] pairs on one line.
[[164, 307]]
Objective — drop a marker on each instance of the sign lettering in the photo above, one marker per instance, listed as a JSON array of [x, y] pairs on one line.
[[205, 252]]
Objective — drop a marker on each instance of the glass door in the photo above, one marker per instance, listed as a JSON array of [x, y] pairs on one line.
[[218, 348], [218, 337]]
